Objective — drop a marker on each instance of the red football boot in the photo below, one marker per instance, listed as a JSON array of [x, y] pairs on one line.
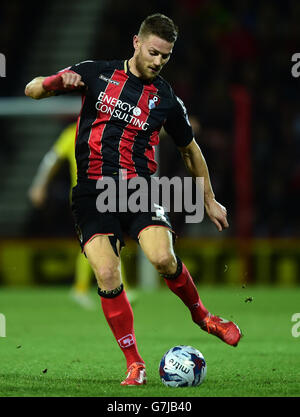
[[224, 329], [136, 374]]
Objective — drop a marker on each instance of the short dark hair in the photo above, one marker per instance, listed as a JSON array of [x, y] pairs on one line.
[[161, 26]]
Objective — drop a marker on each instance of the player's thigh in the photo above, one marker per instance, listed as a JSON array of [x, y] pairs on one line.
[[157, 244], [104, 261]]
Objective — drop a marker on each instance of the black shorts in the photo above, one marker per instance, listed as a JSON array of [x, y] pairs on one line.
[[89, 221]]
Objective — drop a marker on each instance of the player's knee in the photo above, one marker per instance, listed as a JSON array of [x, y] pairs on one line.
[[108, 276], [164, 262]]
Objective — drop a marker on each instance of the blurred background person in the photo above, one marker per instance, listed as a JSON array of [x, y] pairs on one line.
[[64, 150]]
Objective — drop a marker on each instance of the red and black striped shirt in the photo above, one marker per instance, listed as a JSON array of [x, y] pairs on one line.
[[121, 118]]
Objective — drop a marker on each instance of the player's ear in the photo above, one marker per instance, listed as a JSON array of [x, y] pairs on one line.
[[136, 42]]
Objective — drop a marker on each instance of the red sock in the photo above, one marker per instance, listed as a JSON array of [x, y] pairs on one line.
[[183, 286], [119, 315]]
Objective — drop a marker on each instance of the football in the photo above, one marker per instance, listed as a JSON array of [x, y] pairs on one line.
[[182, 366]]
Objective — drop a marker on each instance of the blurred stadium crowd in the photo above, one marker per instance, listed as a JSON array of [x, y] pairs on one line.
[[221, 44]]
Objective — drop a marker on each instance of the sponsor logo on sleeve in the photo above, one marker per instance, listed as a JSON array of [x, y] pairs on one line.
[[108, 80]]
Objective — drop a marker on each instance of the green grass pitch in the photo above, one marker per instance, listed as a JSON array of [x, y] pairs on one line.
[[54, 348]]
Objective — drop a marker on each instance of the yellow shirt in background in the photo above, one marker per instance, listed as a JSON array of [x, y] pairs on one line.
[[65, 149]]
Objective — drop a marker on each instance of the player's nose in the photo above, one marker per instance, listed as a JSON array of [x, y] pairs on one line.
[[157, 61]]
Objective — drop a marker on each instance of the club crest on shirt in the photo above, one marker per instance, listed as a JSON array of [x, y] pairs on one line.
[[153, 101]]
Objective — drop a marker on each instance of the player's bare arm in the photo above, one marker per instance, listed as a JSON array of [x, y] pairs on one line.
[[196, 164], [34, 89], [43, 87]]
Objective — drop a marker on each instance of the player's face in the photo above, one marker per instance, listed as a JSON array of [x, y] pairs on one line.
[[151, 54]]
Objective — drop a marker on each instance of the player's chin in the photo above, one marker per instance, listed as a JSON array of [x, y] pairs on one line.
[[154, 73], [150, 74]]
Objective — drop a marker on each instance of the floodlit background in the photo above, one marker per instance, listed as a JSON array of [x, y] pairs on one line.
[[231, 66]]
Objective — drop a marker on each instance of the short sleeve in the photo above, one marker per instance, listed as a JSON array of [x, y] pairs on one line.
[[177, 124], [87, 69]]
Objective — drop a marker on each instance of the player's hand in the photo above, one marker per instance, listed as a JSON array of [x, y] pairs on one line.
[[217, 214], [37, 196], [65, 80], [71, 80]]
